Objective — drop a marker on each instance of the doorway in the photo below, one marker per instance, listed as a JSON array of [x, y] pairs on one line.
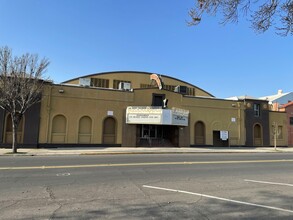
[[217, 141], [109, 131], [199, 133], [157, 136], [257, 135]]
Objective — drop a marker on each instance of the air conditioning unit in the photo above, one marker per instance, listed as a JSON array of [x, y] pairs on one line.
[[181, 89], [124, 86], [84, 82]]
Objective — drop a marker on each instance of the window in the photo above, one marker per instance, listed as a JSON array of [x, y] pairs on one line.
[[116, 83], [291, 121], [158, 99], [151, 131], [191, 91], [256, 110], [103, 83], [169, 87], [144, 86]]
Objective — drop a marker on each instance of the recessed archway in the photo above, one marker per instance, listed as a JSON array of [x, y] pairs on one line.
[[109, 131], [85, 130], [199, 133], [59, 129], [8, 136], [257, 135]]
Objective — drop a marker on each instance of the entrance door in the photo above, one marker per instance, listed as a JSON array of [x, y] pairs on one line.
[[157, 136], [109, 131], [199, 136], [217, 141], [257, 135]]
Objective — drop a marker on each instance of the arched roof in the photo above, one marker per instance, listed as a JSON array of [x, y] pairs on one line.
[[135, 72]]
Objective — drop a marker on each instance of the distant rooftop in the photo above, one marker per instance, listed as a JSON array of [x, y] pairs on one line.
[[243, 97], [272, 98]]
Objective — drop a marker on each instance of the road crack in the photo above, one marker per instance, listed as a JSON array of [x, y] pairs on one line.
[[53, 198], [50, 193], [10, 205]]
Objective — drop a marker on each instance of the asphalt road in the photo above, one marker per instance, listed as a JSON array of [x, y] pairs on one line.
[[175, 186]]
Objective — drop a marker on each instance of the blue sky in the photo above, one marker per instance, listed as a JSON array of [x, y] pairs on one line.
[[83, 37]]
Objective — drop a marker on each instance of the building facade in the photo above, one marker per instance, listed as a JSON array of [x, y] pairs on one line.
[[288, 108], [135, 109]]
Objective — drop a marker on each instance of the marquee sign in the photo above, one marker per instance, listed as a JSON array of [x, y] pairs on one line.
[[156, 115]]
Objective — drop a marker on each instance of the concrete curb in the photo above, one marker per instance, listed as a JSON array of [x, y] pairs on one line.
[[112, 151]]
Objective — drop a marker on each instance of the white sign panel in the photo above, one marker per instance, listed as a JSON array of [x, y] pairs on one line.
[[179, 120], [224, 135], [143, 115], [156, 115], [143, 119], [180, 117]]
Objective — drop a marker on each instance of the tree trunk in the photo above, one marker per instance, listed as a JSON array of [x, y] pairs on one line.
[[14, 133], [275, 141]]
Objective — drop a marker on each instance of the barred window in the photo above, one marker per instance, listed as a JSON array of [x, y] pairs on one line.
[[103, 83], [256, 110], [116, 83], [169, 87], [147, 86], [190, 91]]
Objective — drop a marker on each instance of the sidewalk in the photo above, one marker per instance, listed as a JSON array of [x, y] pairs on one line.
[[138, 150]]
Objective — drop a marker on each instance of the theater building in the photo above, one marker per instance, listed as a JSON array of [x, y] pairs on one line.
[[140, 109]]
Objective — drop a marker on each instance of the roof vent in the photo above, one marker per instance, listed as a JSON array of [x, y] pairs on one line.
[[280, 91]]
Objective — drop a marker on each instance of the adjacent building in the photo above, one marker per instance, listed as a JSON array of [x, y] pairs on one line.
[[140, 109], [288, 108], [278, 99]]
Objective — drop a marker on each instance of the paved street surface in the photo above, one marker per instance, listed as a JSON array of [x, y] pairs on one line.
[[147, 186]]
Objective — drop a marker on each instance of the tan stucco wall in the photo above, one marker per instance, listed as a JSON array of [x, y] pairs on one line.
[[76, 102], [281, 120], [216, 115]]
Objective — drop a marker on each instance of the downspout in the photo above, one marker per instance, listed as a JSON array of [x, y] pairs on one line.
[[239, 123], [49, 114]]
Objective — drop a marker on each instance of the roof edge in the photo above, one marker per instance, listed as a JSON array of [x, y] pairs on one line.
[[139, 72]]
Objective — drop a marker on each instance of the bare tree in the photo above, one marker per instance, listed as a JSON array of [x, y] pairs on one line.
[[263, 14], [276, 133], [21, 84]]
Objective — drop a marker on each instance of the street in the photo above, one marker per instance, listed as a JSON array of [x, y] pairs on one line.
[[147, 186]]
